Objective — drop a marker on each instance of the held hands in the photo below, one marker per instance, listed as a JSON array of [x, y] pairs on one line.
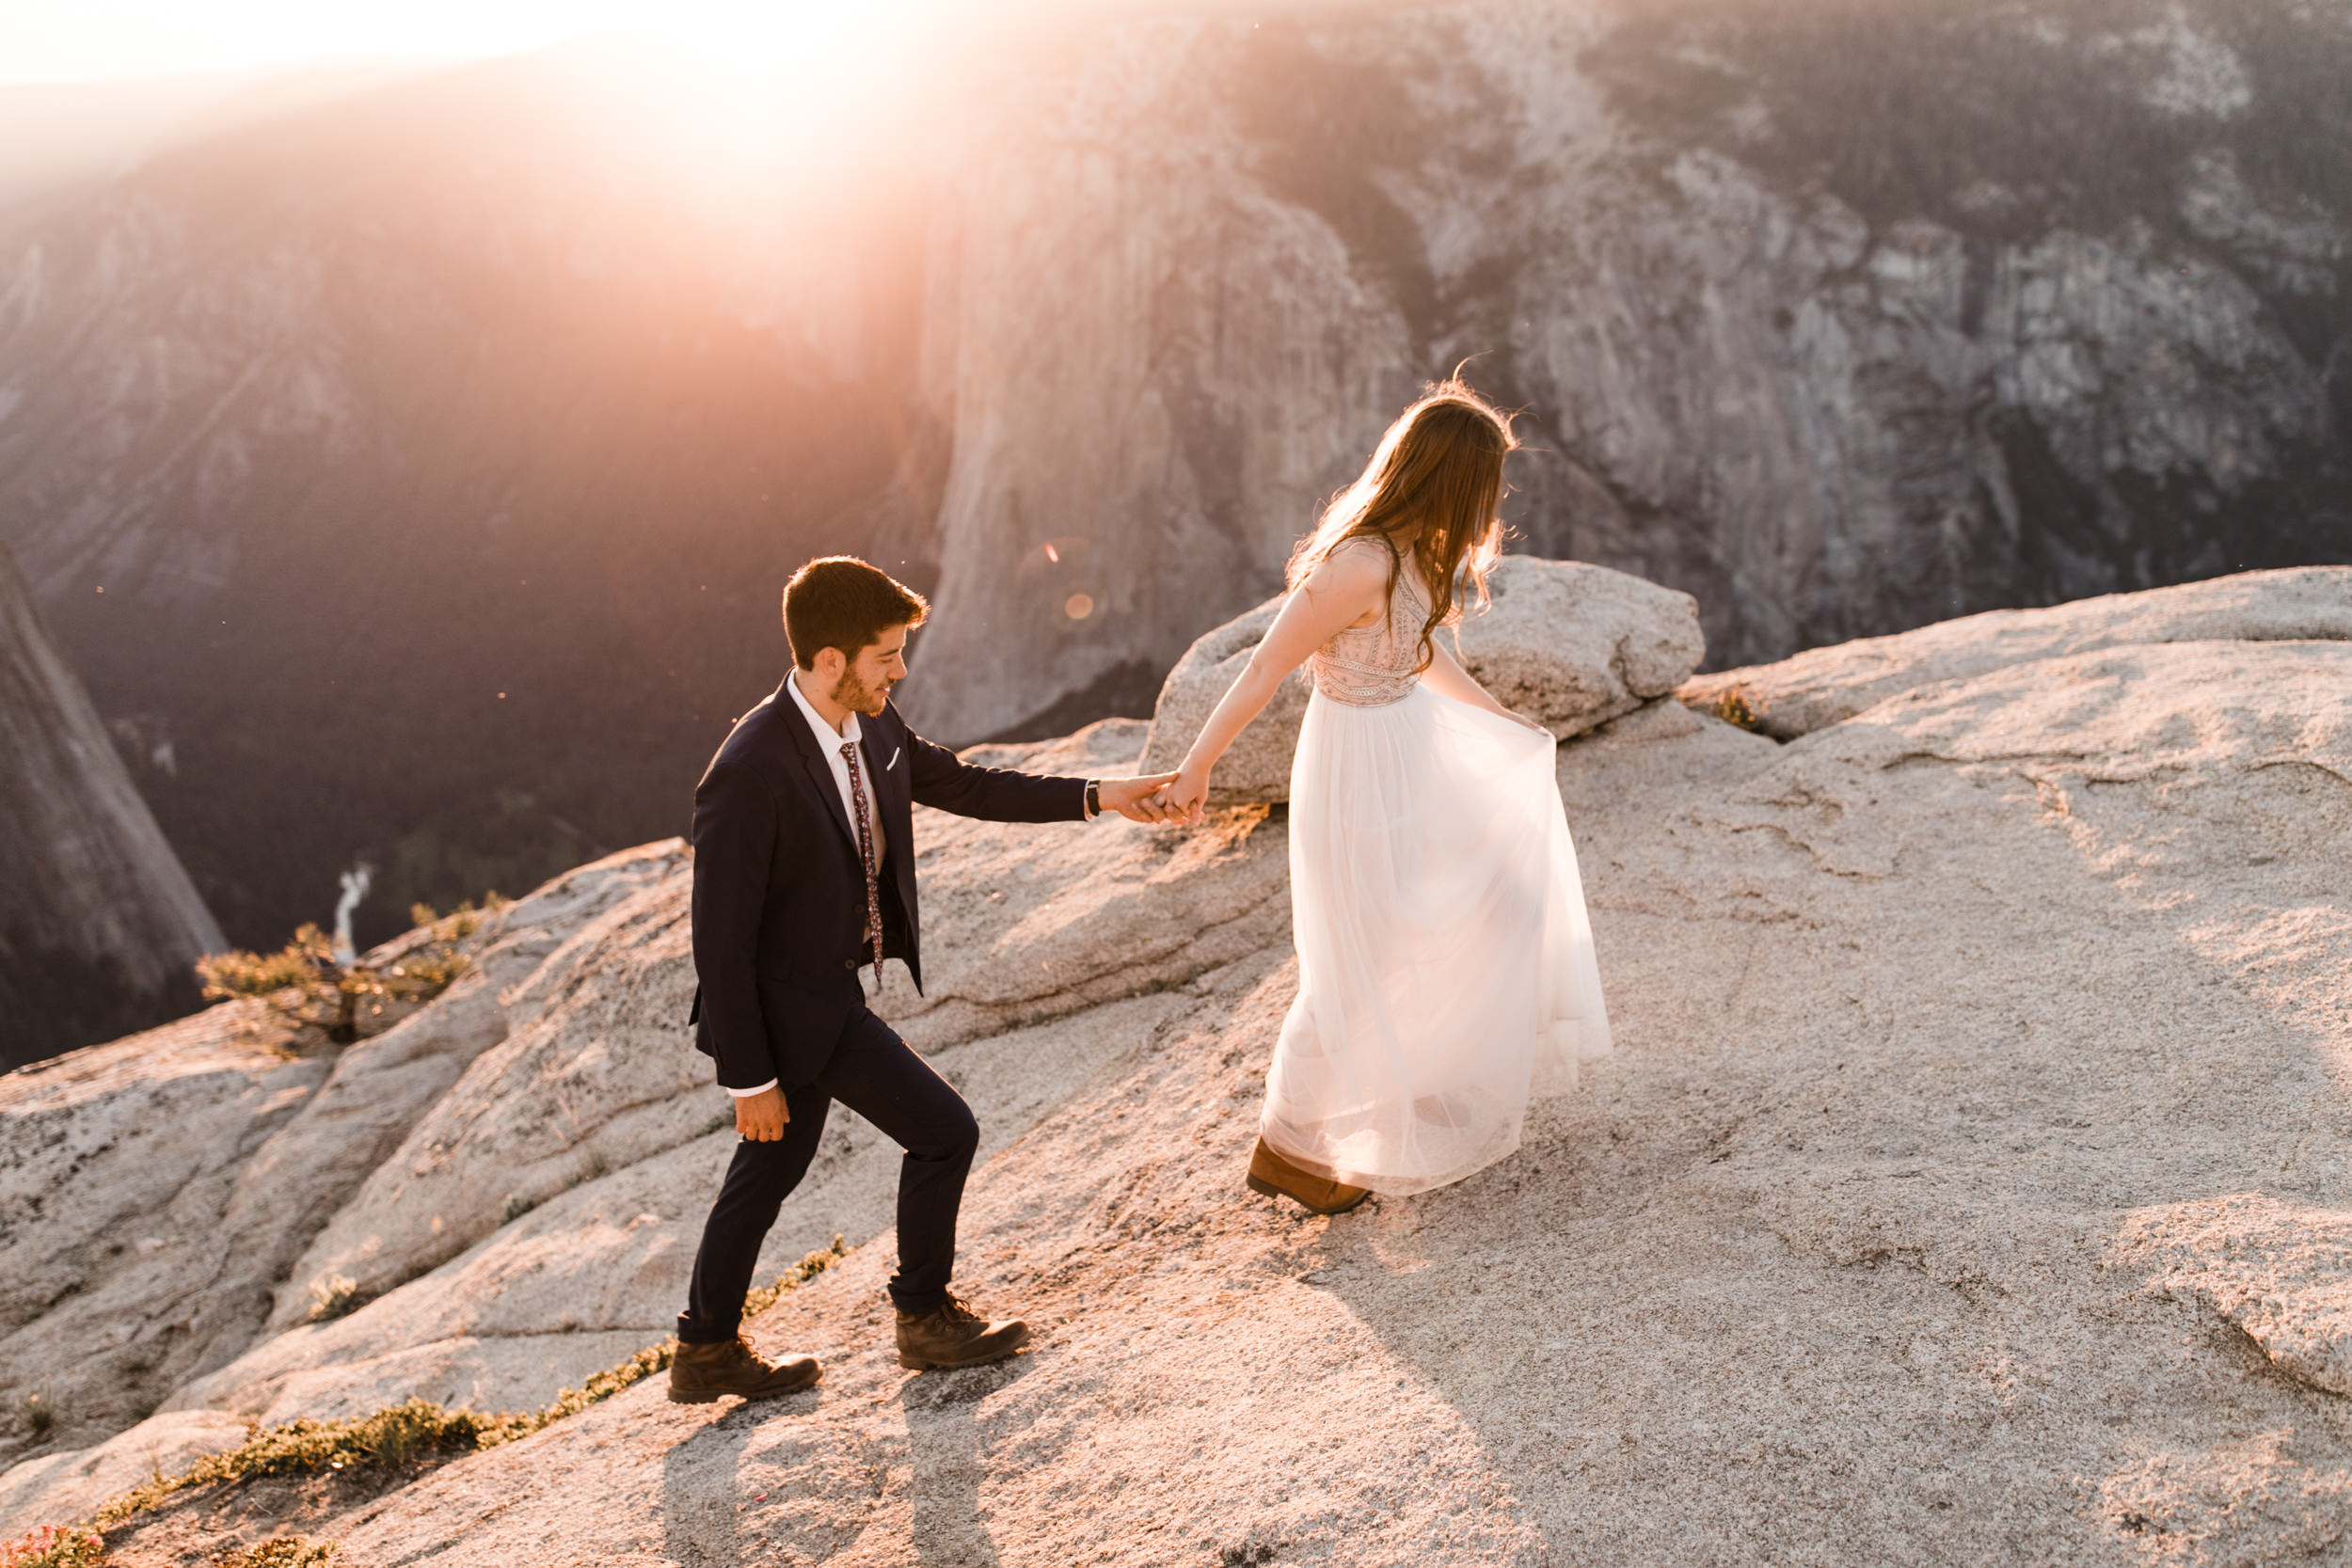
[[760, 1117], [1188, 796], [1137, 799], [1155, 796]]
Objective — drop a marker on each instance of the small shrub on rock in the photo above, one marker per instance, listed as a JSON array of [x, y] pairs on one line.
[[303, 981], [391, 1439], [53, 1546], [426, 975], [461, 922], [237, 972], [278, 1551], [1734, 708], [335, 1296], [794, 1277]]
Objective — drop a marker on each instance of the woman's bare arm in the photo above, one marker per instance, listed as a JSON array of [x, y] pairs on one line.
[[1349, 585], [1447, 678]]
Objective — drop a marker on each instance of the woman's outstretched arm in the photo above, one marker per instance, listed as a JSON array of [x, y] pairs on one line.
[[1350, 584]]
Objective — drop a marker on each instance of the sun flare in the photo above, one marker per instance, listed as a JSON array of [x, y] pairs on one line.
[[735, 79], [766, 46], [750, 44]]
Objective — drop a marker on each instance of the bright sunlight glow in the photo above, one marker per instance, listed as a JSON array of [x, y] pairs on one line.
[[57, 40]]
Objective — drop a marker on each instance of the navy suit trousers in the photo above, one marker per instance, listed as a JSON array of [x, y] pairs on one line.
[[874, 1073]]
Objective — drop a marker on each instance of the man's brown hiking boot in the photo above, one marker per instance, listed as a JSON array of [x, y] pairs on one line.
[[954, 1336], [700, 1373], [1276, 1177]]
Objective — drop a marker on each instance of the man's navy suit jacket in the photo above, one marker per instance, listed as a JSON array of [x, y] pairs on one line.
[[779, 891]]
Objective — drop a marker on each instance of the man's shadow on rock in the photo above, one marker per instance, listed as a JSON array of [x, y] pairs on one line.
[[947, 1446], [700, 1506]]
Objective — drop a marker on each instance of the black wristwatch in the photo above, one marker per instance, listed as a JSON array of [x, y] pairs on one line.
[[1094, 797]]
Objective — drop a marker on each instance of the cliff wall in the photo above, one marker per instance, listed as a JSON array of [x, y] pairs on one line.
[[99, 925], [1804, 321], [442, 448]]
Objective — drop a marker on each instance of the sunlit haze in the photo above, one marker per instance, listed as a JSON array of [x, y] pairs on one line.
[[63, 40]]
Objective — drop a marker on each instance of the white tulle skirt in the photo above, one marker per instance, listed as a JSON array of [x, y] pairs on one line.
[[1445, 958]]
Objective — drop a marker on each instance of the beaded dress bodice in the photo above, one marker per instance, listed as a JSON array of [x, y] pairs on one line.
[[1373, 666]]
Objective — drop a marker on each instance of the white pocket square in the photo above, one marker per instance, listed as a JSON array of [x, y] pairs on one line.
[[894, 760]]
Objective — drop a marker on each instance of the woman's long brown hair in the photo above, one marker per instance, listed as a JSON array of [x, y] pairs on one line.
[[1437, 476]]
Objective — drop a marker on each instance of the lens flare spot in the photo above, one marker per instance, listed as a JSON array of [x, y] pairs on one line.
[[1079, 607], [1051, 554]]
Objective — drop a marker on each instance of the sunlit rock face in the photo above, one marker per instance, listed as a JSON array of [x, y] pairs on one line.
[[99, 924], [1826, 686], [1972, 1168], [1841, 319]]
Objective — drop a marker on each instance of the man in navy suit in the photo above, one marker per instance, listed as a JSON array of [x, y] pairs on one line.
[[804, 871]]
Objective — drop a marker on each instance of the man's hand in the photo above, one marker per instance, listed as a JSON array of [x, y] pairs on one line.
[[1137, 799], [761, 1117]]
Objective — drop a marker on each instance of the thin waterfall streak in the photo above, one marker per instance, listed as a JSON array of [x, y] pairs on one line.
[[355, 883]]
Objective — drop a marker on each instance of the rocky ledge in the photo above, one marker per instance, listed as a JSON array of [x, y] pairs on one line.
[[1973, 1182]]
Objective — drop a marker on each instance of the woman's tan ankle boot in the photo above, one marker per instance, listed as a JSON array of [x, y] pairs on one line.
[[1276, 1177]]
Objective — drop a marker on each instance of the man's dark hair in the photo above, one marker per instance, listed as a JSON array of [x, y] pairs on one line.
[[838, 601]]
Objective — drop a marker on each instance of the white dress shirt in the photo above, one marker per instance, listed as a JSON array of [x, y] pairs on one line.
[[829, 742]]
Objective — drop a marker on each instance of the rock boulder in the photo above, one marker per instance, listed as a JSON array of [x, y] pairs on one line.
[[157, 1192], [1569, 644], [1822, 686]]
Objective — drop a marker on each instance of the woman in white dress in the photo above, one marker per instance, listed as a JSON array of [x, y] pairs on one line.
[[1445, 959]]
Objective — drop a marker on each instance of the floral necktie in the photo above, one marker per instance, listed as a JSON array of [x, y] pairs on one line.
[[866, 853]]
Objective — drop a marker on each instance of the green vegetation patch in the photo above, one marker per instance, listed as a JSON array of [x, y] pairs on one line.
[[304, 982], [792, 1278], [337, 1295], [51, 1546], [387, 1441], [278, 1551], [1733, 707]]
